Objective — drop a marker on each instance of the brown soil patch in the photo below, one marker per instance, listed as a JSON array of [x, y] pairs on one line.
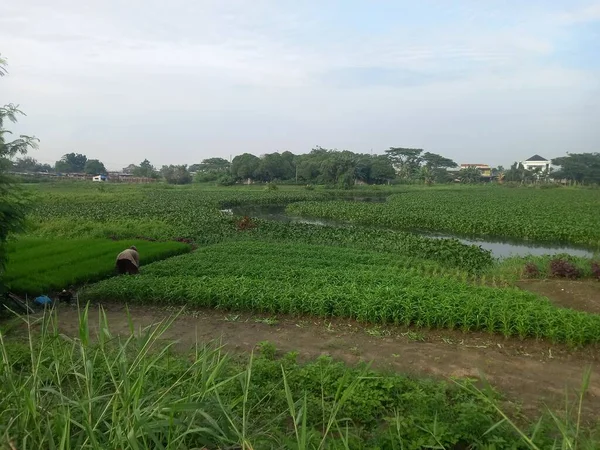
[[534, 373], [580, 295]]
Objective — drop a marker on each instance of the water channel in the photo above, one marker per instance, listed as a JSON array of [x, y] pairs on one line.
[[500, 248]]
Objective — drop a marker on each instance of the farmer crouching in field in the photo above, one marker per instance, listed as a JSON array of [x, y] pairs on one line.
[[128, 261]]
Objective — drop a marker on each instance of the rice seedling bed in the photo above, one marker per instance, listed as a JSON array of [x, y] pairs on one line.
[[39, 266]]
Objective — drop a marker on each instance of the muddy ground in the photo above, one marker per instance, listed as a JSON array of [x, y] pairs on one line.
[[529, 372], [581, 295]]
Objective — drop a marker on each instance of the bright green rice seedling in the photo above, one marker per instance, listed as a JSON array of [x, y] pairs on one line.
[[40, 266]]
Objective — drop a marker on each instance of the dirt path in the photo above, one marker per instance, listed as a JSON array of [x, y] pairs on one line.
[[581, 295], [530, 372]]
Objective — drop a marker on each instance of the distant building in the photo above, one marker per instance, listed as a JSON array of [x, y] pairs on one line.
[[484, 169], [535, 162]]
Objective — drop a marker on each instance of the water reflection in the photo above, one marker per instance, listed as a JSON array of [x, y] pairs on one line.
[[500, 248], [505, 249]]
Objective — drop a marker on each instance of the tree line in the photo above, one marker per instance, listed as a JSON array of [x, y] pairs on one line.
[[333, 167]]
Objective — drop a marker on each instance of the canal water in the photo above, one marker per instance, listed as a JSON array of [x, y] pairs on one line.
[[500, 248]]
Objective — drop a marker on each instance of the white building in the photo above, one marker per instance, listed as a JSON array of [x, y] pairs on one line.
[[536, 161]]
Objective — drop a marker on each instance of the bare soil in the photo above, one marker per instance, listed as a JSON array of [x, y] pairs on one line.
[[580, 295], [529, 372]]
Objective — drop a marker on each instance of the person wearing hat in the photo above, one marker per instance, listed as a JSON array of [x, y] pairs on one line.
[[128, 261]]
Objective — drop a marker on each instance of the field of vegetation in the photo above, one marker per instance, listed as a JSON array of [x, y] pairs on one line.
[[364, 285], [542, 215], [137, 393], [38, 266], [374, 270]]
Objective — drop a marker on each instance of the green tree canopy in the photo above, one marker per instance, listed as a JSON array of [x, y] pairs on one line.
[[245, 166], [174, 174], [12, 209], [469, 175], [145, 170], [217, 164], [274, 166], [71, 163], [29, 164], [406, 161], [435, 161], [518, 173], [382, 169], [94, 167], [579, 167]]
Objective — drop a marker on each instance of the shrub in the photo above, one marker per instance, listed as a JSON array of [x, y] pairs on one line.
[[596, 269], [561, 268], [271, 186], [226, 180], [531, 270], [245, 223]]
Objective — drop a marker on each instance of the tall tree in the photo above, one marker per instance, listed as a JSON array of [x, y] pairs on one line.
[[176, 174], [469, 175], [12, 207], [382, 170], [437, 168], [273, 166], [94, 167], [578, 167], [145, 170], [218, 164], [245, 166], [518, 173], [339, 169], [435, 161], [406, 161], [29, 164], [71, 163]]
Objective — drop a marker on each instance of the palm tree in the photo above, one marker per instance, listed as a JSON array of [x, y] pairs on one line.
[[499, 173], [469, 175], [427, 175]]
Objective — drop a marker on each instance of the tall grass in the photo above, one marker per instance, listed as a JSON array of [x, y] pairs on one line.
[[101, 391]]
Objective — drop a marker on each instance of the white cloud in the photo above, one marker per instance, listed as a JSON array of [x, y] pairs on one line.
[[587, 13], [188, 80]]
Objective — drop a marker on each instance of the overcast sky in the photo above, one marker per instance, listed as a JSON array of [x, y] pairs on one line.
[[488, 81]]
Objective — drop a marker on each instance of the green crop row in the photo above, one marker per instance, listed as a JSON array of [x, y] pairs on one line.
[[369, 287], [39, 266], [553, 215], [450, 252], [194, 214], [158, 213]]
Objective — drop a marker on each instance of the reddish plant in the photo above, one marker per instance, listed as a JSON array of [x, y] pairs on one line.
[[531, 270], [245, 223], [184, 240], [596, 269], [562, 268]]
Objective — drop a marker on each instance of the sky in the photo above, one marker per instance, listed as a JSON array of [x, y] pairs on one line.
[[175, 82]]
